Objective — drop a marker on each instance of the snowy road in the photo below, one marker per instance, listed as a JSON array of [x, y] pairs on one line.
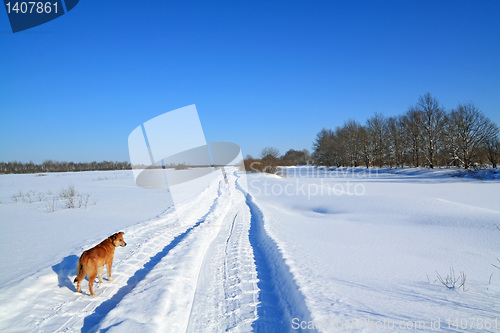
[[205, 266]]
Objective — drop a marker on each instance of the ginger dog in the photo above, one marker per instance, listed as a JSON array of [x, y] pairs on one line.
[[92, 261]]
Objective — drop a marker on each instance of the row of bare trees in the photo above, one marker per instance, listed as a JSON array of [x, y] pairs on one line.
[[270, 159], [53, 166], [426, 135]]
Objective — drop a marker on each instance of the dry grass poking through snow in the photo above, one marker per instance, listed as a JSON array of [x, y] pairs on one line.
[[69, 196]]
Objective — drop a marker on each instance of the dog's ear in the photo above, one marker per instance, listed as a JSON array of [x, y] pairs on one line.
[[113, 237], [121, 233]]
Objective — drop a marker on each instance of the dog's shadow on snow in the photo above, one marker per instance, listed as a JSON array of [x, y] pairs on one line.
[[64, 269]]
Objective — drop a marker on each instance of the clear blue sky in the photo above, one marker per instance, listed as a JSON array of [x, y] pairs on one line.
[[261, 73]]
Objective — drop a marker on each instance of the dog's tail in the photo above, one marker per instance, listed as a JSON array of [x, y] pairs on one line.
[[80, 272]]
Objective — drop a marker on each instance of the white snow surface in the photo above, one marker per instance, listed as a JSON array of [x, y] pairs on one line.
[[329, 250]]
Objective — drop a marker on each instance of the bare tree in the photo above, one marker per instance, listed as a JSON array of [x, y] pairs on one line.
[[270, 153], [432, 120], [396, 142], [350, 134], [410, 124], [364, 146], [492, 147], [270, 159], [296, 157], [470, 129], [327, 148], [377, 132]]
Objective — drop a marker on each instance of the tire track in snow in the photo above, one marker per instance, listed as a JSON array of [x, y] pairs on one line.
[[279, 296], [226, 291], [240, 275], [244, 283]]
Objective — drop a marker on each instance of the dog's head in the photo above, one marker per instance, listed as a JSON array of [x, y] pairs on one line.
[[117, 239]]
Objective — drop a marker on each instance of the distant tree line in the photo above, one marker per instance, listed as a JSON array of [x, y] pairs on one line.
[[270, 159], [426, 135], [53, 166]]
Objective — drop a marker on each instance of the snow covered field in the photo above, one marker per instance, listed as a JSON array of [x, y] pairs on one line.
[[314, 250]]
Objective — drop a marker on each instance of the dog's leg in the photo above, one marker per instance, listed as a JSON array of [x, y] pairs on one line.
[[109, 264], [100, 272], [92, 277]]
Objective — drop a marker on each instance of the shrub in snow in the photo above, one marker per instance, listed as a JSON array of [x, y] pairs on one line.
[[68, 195], [74, 199], [451, 281]]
